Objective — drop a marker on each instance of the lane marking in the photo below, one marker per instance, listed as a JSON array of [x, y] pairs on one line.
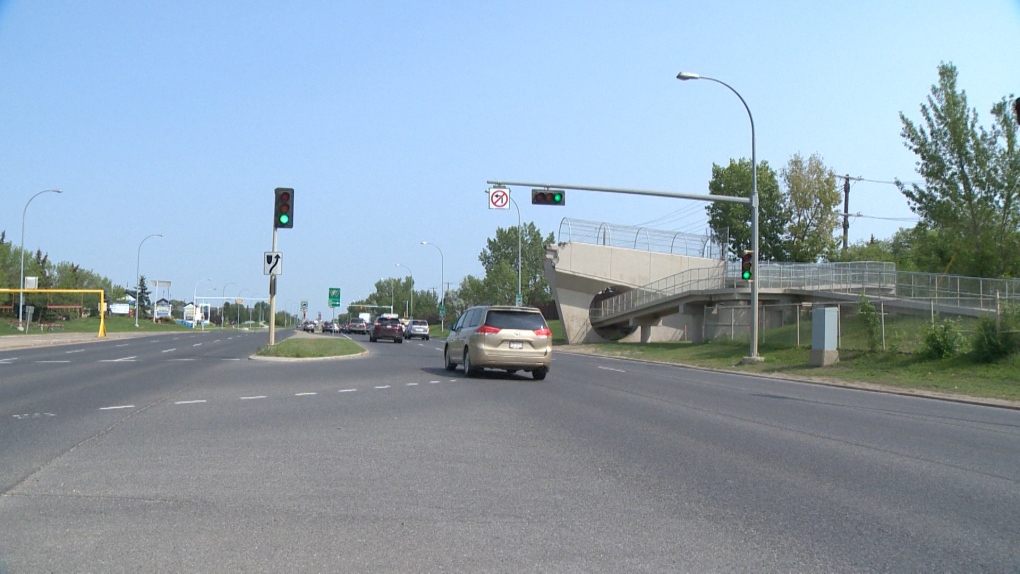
[[183, 360], [612, 369], [75, 351], [117, 407], [190, 402], [433, 382], [197, 345], [231, 359], [52, 361], [216, 341], [383, 387], [304, 394], [168, 350], [124, 360], [347, 390], [412, 384], [33, 415], [121, 345], [253, 398]]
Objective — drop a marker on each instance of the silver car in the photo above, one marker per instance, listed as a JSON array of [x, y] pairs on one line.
[[500, 337], [417, 328]]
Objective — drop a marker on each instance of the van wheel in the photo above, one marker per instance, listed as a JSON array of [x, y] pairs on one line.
[[539, 374], [468, 369], [449, 364]]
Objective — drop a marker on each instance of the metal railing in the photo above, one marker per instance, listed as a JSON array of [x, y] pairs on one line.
[[630, 237]]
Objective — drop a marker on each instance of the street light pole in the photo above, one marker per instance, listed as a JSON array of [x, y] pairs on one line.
[[194, 302], [520, 299], [754, 217], [442, 284], [411, 312], [21, 284], [138, 278]]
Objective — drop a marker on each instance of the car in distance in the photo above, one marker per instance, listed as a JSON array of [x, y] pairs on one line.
[[308, 326], [357, 325], [387, 328], [500, 337], [417, 328], [330, 327]]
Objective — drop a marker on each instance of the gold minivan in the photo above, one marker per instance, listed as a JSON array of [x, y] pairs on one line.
[[500, 337]]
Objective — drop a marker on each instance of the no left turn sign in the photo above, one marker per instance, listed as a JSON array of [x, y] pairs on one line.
[[499, 198]]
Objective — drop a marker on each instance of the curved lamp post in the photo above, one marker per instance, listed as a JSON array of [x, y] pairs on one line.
[[21, 284], [442, 284], [138, 278], [754, 216], [411, 312]]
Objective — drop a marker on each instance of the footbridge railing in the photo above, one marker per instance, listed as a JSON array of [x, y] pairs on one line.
[[642, 238]]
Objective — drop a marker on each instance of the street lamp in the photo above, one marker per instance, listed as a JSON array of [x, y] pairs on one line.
[[138, 278], [411, 312], [442, 284], [21, 284], [194, 302], [754, 217]]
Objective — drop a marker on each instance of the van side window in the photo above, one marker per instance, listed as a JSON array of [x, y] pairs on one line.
[[474, 318]]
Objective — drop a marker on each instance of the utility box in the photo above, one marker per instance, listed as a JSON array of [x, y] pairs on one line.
[[824, 336]]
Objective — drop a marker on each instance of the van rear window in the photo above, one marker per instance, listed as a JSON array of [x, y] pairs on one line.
[[515, 320]]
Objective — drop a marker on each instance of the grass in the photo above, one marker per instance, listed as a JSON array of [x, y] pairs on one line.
[[308, 347], [114, 324]]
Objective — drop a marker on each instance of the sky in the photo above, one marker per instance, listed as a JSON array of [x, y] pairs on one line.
[[388, 118]]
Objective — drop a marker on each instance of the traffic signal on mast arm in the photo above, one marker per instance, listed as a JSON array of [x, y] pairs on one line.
[[548, 197], [283, 213], [1016, 111], [746, 262]]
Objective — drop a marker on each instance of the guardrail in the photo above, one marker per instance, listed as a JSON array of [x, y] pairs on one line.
[[643, 238]]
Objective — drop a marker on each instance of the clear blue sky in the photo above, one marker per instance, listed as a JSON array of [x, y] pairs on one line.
[[388, 118]]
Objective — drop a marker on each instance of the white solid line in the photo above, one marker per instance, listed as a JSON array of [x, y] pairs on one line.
[[168, 350], [347, 390], [383, 387], [412, 384], [115, 408], [304, 394], [189, 402], [37, 362], [75, 351], [183, 360], [253, 398]]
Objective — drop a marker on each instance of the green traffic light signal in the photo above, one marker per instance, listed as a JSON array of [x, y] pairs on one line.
[[746, 275], [548, 197], [284, 209]]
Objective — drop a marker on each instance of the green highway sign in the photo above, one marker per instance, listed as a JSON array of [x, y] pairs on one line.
[[334, 296]]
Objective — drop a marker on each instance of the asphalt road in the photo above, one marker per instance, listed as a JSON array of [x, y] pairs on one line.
[[176, 453]]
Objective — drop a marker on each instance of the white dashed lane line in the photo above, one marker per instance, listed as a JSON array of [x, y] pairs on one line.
[[168, 350], [124, 360], [253, 398], [74, 351], [190, 402], [304, 394], [197, 345], [49, 362], [117, 407], [412, 384], [383, 387], [346, 390], [121, 345]]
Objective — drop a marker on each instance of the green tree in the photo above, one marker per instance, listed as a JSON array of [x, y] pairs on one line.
[[970, 200], [731, 222], [501, 252], [811, 201]]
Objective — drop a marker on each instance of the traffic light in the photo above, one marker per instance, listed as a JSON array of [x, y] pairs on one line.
[[283, 214], [1016, 111], [746, 266], [548, 197]]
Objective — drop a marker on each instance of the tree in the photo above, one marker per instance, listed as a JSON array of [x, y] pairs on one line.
[[501, 251], [970, 200], [142, 297], [731, 222], [811, 200]]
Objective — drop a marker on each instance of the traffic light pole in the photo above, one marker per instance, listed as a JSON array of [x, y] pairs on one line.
[[272, 300]]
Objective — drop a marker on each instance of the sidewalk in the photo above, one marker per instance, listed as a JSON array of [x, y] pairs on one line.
[[21, 341]]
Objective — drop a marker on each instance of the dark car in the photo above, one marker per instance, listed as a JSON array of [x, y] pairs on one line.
[[330, 327], [387, 328], [308, 326]]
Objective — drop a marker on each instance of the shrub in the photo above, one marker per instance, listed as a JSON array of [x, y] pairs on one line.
[[868, 315], [991, 343], [941, 340]]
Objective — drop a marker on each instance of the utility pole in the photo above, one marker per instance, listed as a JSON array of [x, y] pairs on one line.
[[846, 211]]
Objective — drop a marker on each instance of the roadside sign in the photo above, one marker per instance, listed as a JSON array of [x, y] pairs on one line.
[[272, 263], [520, 300], [442, 311], [499, 198], [304, 304], [334, 296]]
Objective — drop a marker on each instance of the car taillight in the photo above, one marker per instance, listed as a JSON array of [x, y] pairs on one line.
[[487, 330], [543, 332]]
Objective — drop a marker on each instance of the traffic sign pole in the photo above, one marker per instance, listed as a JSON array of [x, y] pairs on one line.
[[272, 301]]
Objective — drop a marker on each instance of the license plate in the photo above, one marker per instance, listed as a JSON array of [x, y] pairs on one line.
[[516, 344]]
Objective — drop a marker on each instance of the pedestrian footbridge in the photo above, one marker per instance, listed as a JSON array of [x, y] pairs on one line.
[[636, 284]]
